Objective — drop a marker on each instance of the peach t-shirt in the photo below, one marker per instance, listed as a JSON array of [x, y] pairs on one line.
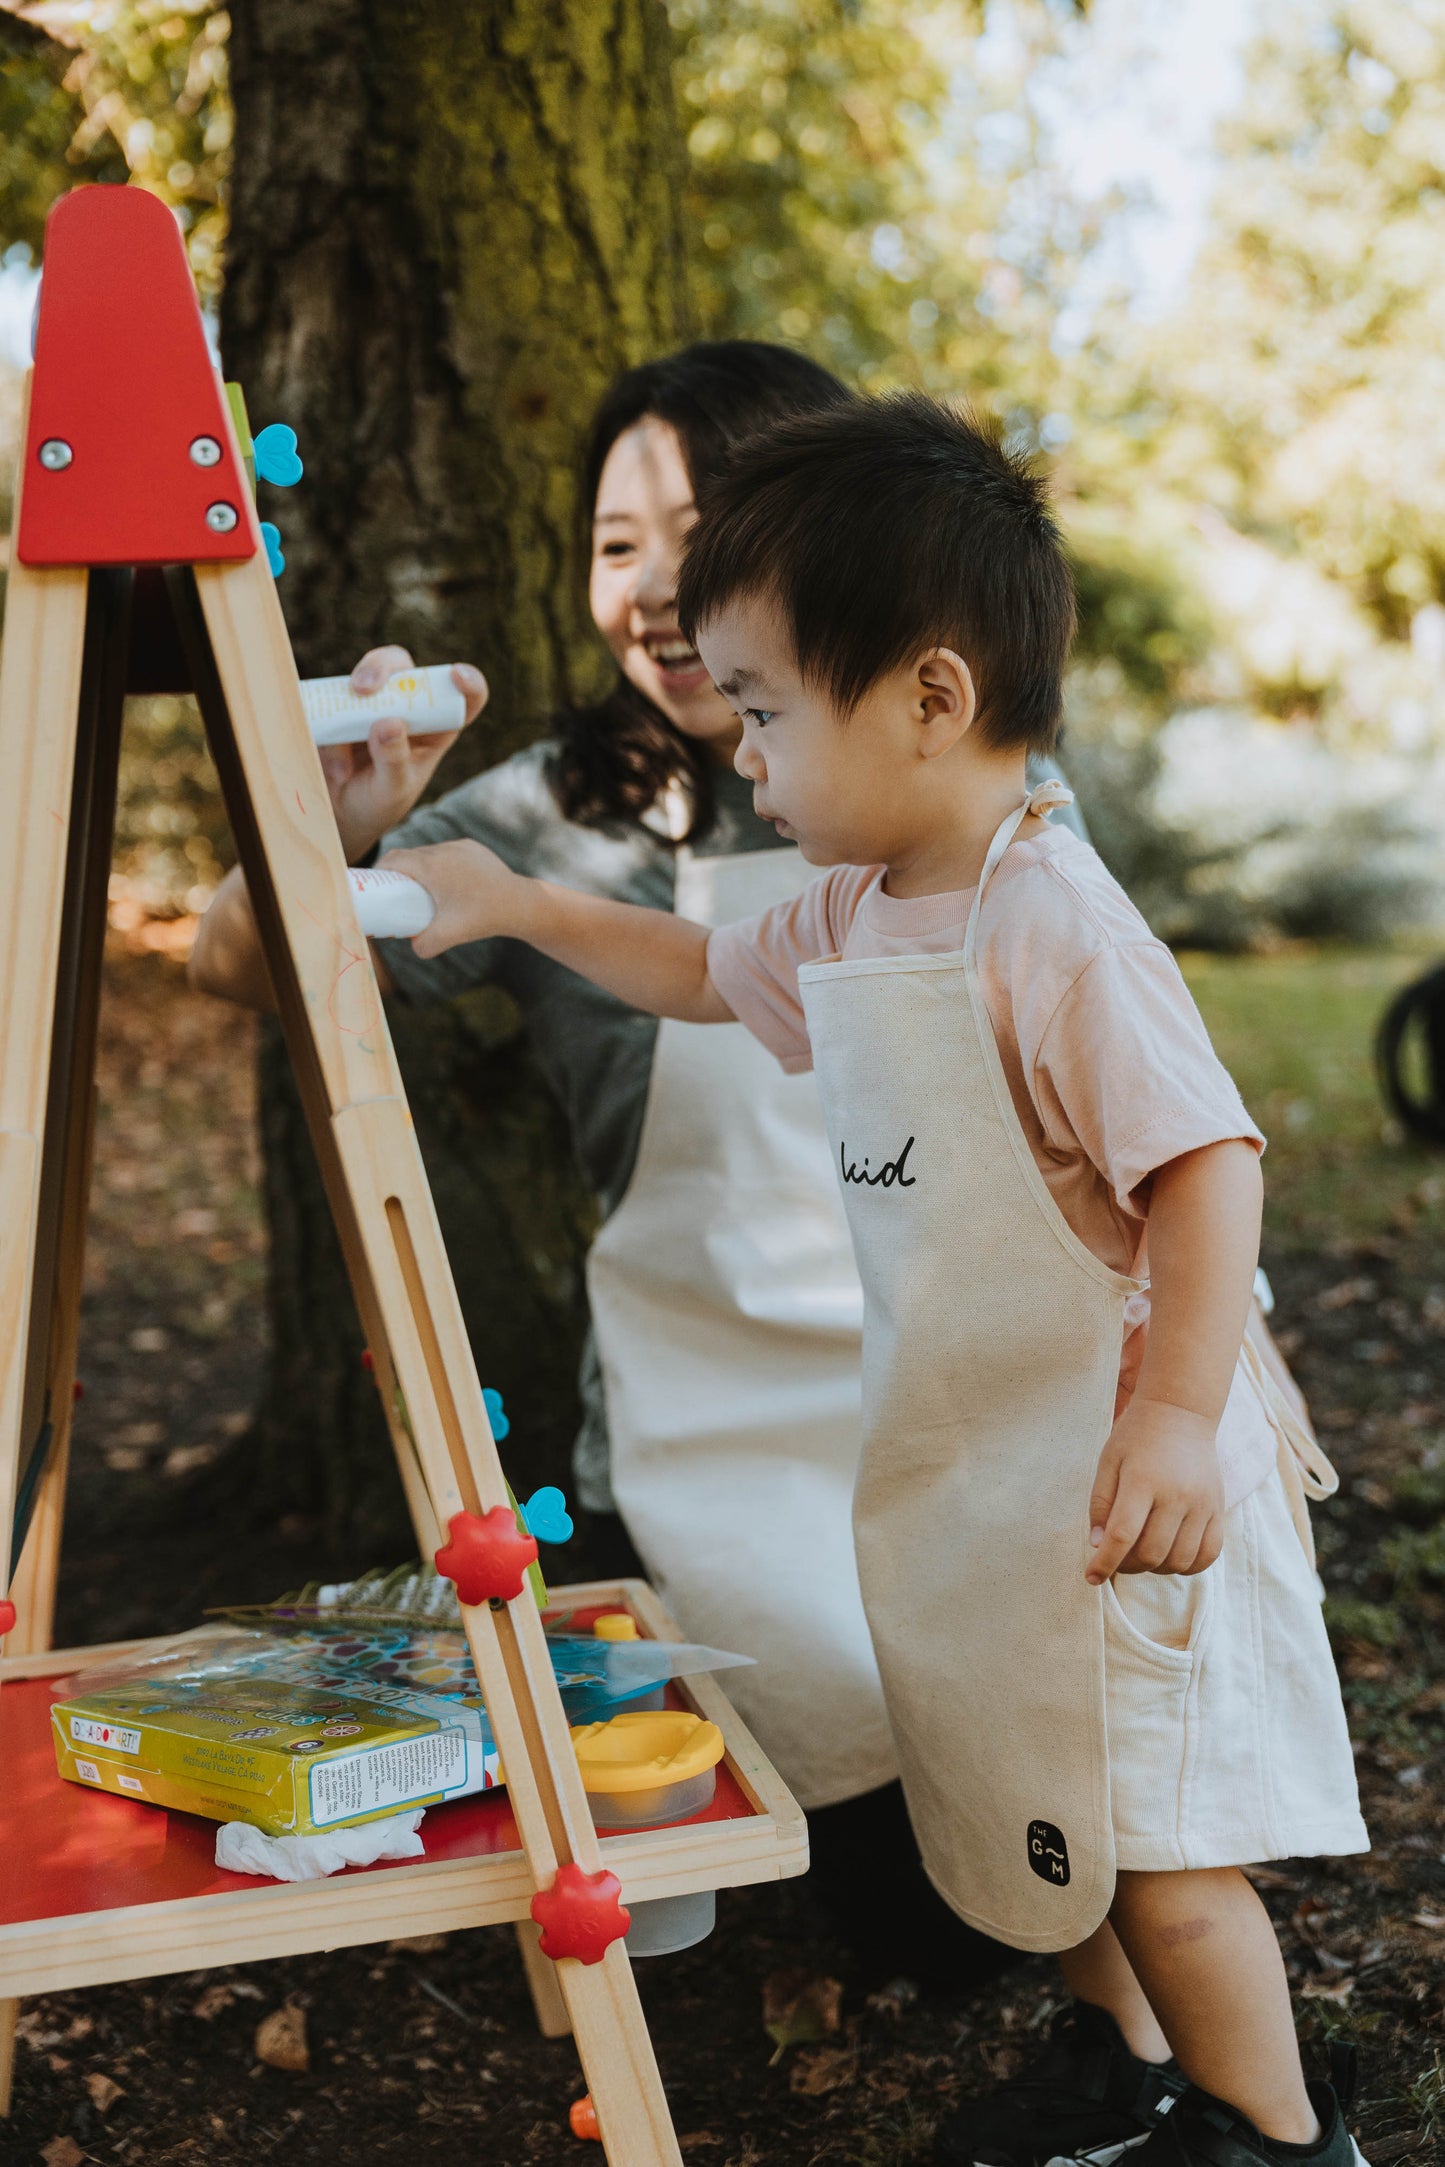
[[1108, 1063]]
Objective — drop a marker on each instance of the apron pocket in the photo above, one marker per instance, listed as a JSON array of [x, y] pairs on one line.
[[1159, 1616], [1152, 1639]]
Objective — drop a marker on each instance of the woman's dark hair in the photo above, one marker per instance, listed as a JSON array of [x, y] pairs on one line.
[[612, 759]]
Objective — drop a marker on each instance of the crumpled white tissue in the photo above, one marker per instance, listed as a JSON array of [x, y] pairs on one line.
[[241, 1849]]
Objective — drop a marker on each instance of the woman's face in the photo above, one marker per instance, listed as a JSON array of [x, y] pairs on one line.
[[644, 508]]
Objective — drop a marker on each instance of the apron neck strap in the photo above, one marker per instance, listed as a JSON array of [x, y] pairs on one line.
[[1043, 799]]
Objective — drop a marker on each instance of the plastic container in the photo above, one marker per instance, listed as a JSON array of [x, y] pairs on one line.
[[670, 1923], [425, 700], [390, 906], [640, 1770], [646, 1767]]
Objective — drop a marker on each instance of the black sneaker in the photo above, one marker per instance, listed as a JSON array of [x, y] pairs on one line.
[[1203, 2131], [1087, 2099]]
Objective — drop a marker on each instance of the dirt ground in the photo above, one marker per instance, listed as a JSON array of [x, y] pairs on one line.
[[417, 2050]]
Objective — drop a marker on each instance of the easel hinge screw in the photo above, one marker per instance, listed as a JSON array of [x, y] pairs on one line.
[[55, 454], [206, 452], [221, 518]]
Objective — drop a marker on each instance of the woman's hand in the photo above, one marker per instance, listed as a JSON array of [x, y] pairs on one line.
[[375, 785], [1158, 1502], [475, 893]]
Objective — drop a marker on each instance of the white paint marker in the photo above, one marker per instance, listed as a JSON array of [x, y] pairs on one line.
[[390, 906], [425, 700]]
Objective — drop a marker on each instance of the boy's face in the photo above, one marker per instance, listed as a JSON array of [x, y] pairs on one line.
[[837, 787]]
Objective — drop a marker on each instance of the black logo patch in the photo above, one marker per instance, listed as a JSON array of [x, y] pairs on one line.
[[1048, 1853]]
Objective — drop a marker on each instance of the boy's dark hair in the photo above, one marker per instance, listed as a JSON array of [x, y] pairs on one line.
[[885, 527]]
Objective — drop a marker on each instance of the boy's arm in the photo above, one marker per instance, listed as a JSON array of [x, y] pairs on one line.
[[648, 958], [1157, 1504]]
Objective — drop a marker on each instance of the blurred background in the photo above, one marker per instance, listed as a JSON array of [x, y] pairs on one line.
[[1188, 249]]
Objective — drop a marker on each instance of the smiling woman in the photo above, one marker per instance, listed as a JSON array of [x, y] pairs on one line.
[[721, 1425]]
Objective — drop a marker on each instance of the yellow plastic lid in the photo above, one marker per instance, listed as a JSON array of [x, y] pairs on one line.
[[615, 1625], [644, 1749]]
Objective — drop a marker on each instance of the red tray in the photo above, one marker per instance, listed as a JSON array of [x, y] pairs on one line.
[[69, 1849]]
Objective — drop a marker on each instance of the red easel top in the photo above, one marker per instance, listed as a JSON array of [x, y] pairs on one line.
[[129, 446]]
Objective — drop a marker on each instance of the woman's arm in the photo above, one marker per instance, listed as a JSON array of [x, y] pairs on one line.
[[648, 958], [372, 787], [226, 958]]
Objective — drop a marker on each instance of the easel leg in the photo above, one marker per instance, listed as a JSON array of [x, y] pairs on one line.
[[9, 2018], [60, 712], [553, 2022], [40, 685], [244, 674]]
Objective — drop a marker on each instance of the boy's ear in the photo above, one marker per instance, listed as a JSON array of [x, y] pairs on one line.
[[947, 700]]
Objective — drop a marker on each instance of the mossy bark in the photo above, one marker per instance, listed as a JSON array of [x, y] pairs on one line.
[[452, 222]]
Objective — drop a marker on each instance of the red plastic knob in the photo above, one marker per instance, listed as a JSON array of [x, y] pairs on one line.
[[7, 1618], [487, 1556], [368, 1361], [582, 2118], [77, 1391], [581, 1915]]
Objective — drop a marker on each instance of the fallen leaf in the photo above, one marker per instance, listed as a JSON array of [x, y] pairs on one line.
[[1328, 1989], [63, 2152], [1431, 1919], [31, 2028], [103, 2090], [1346, 1294], [185, 1459], [212, 2002], [419, 1944], [824, 2071], [281, 2040], [800, 2007], [140, 1433]]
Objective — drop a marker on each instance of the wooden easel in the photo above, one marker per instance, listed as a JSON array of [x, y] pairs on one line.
[[130, 459]]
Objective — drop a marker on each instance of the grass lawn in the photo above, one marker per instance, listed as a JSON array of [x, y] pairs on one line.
[[1297, 1032]]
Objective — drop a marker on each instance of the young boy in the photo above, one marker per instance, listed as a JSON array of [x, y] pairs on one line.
[[1080, 1522]]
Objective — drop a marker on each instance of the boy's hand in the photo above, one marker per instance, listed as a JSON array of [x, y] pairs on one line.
[[1158, 1502], [375, 785], [474, 891]]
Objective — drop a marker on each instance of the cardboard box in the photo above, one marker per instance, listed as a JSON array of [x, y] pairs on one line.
[[291, 1758]]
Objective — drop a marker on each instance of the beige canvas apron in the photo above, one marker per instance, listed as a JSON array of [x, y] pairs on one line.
[[990, 1368], [729, 1319]]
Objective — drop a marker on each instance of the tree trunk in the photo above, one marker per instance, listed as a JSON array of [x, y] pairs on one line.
[[451, 223]]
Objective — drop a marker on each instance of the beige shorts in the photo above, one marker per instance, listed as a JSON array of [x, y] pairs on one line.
[[1227, 1738]]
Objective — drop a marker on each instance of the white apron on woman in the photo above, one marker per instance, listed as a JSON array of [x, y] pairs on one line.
[[990, 1371], [728, 1319]]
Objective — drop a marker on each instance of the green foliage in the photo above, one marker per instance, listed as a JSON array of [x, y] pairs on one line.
[[1378, 1625], [141, 96], [38, 117], [1311, 411], [1137, 611], [852, 184], [1420, 1495]]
